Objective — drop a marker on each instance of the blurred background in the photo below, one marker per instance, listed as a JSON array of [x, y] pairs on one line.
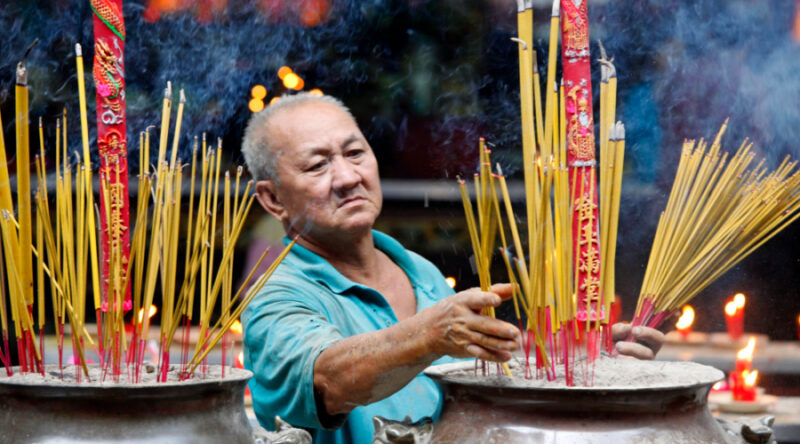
[[426, 78]]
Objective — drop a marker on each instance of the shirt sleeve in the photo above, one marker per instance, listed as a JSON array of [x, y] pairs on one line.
[[283, 336]]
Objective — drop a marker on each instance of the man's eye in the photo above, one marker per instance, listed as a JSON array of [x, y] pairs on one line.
[[355, 152], [317, 166]]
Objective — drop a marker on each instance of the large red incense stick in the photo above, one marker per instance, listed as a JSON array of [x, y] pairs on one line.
[[109, 77], [581, 159]]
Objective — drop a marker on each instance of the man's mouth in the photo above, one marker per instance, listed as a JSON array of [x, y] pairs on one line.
[[350, 200]]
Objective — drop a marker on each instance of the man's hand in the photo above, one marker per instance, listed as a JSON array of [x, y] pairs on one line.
[[455, 326], [646, 341]]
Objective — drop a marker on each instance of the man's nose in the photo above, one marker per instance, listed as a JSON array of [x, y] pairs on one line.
[[345, 175]]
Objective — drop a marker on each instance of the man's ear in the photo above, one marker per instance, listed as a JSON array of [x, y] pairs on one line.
[[268, 198]]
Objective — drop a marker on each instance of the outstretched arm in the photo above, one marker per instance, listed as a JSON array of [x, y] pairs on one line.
[[369, 367]]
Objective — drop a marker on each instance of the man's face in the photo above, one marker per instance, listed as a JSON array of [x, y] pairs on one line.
[[328, 175]]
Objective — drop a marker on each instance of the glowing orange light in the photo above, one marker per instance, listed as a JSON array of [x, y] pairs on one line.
[[717, 386], [284, 71], [686, 319], [739, 300], [236, 327], [316, 92], [451, 281], [258, 92], [256, 105], [152, 313], [746, 353], [274, 99], [750, 378], [291, 80], [730, 308], [300, 84], [240, 359]]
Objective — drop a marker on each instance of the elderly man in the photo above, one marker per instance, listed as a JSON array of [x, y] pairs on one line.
[[350, 318]]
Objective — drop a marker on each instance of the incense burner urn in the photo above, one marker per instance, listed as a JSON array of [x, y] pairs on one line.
[[195, 411], [479, 411]]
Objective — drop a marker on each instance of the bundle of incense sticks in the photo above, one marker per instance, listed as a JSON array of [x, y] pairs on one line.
[[65, 257], [546, 273], [721, 208]]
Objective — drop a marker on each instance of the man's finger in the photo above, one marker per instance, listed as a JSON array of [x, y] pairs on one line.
[[650, 337], [495, 327], [620, 331], [634, 350], [492, 343], [488, 355], [505, 291], [477, 300]]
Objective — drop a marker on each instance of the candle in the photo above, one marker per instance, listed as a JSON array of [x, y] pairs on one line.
[[734, 317], [684, 324], [747, 390], [744, 360]]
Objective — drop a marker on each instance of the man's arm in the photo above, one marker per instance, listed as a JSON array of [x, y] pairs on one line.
[[365, 368]]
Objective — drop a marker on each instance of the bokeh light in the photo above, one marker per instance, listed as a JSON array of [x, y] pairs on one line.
[[291, 80], [256, 105], [283, 71], [258, 92]]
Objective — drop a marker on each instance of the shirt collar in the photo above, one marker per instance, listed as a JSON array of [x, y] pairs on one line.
[[320, 270]]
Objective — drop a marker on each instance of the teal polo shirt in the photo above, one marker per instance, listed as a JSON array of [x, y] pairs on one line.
[[306, 307]]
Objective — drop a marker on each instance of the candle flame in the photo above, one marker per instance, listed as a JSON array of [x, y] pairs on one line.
[[316, 92], [686, 319], [236, 327], [240, 359], [739, 300], [730, 308], [747, 352], [451, 281], [750, 378], [152, 313]]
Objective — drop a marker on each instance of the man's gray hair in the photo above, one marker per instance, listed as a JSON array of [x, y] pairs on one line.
[[259, 154]]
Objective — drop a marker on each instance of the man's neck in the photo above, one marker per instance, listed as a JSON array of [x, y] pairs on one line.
[[354, 256]]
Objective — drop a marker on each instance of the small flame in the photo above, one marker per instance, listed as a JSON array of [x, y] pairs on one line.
[[730, 308], [152, 313], [273, 100], [750, 378], [240, 359], [717, 386], [739, 300], [451, 281], [236, 327], [686, 319], [747, 352], [316, 92]]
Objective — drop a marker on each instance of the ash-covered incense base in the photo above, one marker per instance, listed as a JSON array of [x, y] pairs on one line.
[[211, 410], [631, 402]]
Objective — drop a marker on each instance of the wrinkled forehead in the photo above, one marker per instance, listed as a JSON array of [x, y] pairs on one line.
[[312, 124]]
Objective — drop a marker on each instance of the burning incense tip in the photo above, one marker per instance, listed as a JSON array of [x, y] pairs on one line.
[[620, 130], [168, 91], [183, 96], [556, 9], [499, 170], [78, 50], [521, 5]]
